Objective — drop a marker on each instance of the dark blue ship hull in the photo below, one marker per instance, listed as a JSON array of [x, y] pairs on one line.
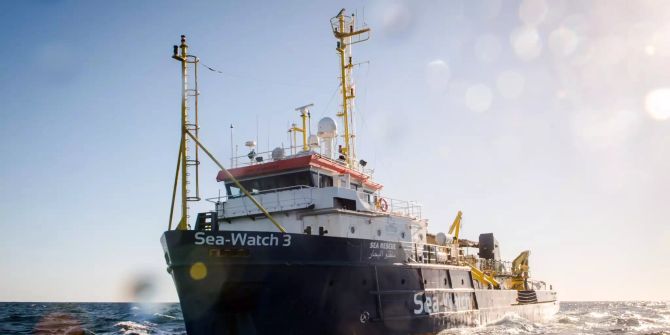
[[273, 283]]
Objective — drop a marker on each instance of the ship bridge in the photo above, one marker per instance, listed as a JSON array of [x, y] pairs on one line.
[[310, 169], [316, 195]]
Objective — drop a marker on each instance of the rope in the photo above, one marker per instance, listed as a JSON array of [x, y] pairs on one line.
[[265, 81], [337, 88], [211, 68]]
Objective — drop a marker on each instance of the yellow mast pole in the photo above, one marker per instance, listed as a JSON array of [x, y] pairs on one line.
[[344, 37], [303, 115], [341, 49], [185, 135], [295, 139], [351, 95], [184, 120]]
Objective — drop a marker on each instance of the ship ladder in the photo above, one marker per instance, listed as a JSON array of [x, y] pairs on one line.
[[193, 163]]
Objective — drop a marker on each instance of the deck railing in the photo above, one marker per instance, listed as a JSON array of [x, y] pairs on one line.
[[273, 200], [265, 156], [438, 254], [404, 207], [427, 253], [394, 206]]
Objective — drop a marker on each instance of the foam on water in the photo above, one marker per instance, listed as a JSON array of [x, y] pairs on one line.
[[133, 328], [643, 318], [598, 315], [165, 316]]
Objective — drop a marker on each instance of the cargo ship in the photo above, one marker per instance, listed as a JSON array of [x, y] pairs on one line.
[[304, 241]]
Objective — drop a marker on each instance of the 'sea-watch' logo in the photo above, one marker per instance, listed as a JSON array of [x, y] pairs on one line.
[[243, 240]]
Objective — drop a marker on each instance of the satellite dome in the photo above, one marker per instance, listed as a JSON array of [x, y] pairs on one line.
[[441, 238], [327, 128], [313, 141], [277, 153]]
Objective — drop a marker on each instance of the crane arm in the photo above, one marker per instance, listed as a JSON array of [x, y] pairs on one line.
[[520, 264], [520, 272], [456, 226], [482, 277]]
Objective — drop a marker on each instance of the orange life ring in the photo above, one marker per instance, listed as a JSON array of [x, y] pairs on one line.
[[382, 204]]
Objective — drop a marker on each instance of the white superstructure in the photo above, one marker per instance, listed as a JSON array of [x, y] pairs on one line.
[[309, 193]]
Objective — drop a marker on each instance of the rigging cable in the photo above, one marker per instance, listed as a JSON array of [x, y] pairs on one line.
[[210, 68], [265, 81]]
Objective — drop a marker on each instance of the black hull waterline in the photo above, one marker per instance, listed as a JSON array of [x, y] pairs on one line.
[[237, 282]]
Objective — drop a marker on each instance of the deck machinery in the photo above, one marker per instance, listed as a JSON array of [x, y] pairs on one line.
[[304, 241]]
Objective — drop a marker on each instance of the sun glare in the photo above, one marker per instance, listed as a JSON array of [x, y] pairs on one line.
[[657, 103]]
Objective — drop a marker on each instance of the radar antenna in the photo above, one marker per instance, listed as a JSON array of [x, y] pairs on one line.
[[304, 115]]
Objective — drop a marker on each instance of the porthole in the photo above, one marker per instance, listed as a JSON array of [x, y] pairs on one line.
[[379, 232], [352, 229]]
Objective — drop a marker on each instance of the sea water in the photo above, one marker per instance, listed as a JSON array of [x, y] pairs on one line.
[[651, 318]]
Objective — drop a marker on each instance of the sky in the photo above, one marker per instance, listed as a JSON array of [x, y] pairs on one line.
[[545, 122]]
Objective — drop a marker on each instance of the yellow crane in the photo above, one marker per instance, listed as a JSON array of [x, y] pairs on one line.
[[477, 274], [456, 227], [520, 271]]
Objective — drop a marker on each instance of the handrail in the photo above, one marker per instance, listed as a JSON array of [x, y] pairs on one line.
[[272, 190], [274, 200], [267, 157], [265, 154], [397, 206], [407, 208], [426, 250]]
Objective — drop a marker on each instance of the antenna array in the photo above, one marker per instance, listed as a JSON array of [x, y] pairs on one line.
[[344, 29]]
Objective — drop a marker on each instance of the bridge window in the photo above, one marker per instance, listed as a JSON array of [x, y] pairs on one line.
[[258, 185], [233, 190], [344, 203], [324, 180]]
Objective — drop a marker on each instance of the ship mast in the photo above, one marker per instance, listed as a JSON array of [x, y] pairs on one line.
[[187, 165], [347, 35]]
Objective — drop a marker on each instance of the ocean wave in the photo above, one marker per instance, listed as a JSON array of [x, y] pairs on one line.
[[165, 316], [598, 315], [568, 319], [134, 328], [589, 318], [514, 324]]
